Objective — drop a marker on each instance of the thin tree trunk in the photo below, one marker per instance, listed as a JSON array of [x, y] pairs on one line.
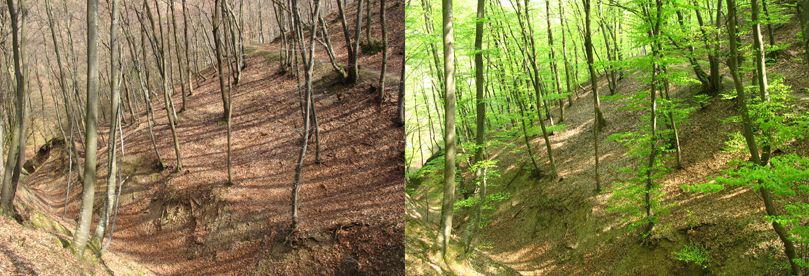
[[187, 46], [384, 51], [310, 62], [552, 56], [180, 63], [599, 118], [217, 24], [351, 45]]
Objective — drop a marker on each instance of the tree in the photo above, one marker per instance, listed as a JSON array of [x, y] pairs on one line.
[[16, 155], [187, 46], [352, 46], [309, 59], [179, 54], [217, 24], [599, 122], [552, 58], [480, 116], [221, 74], [656, 60], [115, 115], [81, 235], [449, 127], [384, 51], [764, 159], [803, 16]]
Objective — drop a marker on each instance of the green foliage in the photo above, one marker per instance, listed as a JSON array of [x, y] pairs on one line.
[[693, 254], [775, 124], [702, 100]]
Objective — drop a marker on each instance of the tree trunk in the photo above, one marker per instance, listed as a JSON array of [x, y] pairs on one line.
[[86, 214], [16, 154], [803, 16], [599, 118], [656, 57], [115, 115], [760, 53], [564, 56], [384, 51], [448, 200], [480, 123], [351, 46], [310, 62], [187, 45], [217, 25], [178, 55], [552, 56]]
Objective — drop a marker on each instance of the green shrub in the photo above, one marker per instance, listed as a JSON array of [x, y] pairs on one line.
[[693, 254]]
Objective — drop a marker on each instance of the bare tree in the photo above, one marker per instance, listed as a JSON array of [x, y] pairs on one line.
[[309, 59], [115, 115], [16, 155], [86, 214], [179, 55], [384, 51], [352, 46]]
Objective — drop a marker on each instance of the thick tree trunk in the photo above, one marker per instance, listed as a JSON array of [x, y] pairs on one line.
[[16, 155], [86, 214], [448, 200]]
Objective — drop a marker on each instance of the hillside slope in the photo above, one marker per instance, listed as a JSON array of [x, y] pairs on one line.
[[189, 222], [561, 227]]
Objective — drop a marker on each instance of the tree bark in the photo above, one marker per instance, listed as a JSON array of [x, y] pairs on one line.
[[448, 200], [599, 118], [760, 55], [115, 115], [310, 62], [16, 155], [86, 214], [384, 51]]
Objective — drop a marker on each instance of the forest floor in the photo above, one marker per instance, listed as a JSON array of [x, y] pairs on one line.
[[190, 222], [561, 227]]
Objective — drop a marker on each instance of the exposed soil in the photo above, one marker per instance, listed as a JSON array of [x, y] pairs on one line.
[[190, 222]]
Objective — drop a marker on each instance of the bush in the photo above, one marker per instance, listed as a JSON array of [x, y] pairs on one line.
[[693, 254]]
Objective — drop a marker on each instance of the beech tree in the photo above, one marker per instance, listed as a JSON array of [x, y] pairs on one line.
[[449, 128], [82, 233], [16, 155]]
